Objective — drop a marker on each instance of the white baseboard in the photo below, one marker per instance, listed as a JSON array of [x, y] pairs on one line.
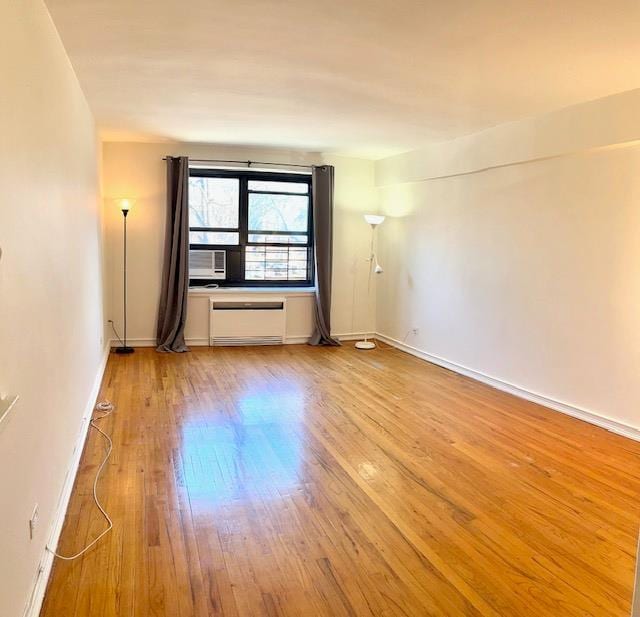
[[600, 420], [354, 336], [200, 342], [345, 336], [39, 588], [134, 342], [151, 342], [302, 339], [193, 342], [204, 342]]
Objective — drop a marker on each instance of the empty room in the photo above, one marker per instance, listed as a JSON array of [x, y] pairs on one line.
[[319, 309]]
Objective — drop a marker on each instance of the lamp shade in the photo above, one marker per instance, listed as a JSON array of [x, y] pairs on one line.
[[373, 219], [125, 204]]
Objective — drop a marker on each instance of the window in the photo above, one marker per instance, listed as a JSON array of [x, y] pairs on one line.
[[260, 221]]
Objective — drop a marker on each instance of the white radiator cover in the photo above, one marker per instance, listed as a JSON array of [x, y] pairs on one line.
[[245, 320]]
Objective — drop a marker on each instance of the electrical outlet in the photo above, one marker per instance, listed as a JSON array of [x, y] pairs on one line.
[[33, 522], [415, 331]]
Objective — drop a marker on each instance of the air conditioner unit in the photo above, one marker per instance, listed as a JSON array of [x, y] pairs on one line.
[[246, 321], [205, 264]]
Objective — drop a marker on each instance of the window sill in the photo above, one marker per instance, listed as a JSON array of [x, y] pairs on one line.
[[290, 292]]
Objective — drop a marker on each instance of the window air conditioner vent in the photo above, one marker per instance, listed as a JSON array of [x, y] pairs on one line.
[[205, 264]]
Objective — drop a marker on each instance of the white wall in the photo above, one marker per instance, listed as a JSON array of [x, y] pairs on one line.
[[517, 254], [50, 282], [138, 171]]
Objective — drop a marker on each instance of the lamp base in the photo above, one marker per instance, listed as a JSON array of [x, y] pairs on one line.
[[365, 345], [124, 350]]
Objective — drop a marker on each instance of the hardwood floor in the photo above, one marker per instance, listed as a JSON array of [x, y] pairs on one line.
[[305, 481]]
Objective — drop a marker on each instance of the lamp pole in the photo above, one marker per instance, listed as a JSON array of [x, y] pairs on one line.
[[125, 206], [374, 268]]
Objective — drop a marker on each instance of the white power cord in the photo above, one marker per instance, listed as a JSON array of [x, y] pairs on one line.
[[106, 408]]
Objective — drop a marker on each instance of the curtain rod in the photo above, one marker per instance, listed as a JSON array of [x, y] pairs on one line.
[[247, 163]]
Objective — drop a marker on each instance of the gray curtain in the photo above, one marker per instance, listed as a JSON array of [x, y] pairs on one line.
[[172, 313], [322, 187]]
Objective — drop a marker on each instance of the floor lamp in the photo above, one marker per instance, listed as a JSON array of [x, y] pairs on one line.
[[374, 268], [125, 206]]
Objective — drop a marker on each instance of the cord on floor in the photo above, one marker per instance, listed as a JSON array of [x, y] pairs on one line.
[[113, 327], [106, 409]]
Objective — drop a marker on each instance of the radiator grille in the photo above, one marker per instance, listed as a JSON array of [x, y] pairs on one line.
[[246, 320], [231, 341]]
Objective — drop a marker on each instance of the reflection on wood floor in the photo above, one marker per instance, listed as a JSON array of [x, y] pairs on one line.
[[306, 481]]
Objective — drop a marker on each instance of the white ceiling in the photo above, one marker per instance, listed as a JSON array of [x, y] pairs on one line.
[[364, 77]]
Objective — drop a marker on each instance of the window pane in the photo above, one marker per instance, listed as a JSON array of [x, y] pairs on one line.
[[275, 263], [298, 253], [278, 212], [214, 237], [277, 239], [213, 202], [277, 187]]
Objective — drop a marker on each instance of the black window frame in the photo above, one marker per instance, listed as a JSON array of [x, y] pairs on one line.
[[244, 176]]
